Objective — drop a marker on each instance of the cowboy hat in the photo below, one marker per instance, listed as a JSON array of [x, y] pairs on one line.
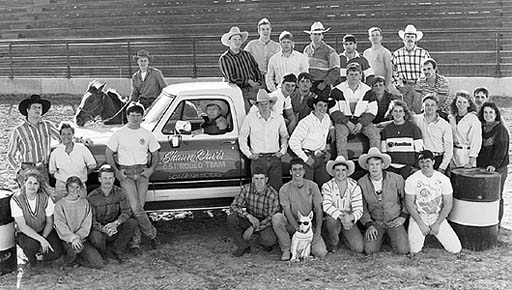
[[340, 160], [410, 29], [233, 31], [143, 53], [34, 99], [317, 27], [263, 96], [223, 107], [374, 152], [330, 101]]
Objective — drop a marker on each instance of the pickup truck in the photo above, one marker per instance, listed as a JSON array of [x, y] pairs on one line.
[[196, 171]]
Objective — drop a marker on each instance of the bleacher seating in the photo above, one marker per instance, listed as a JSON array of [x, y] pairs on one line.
[[96, 38]]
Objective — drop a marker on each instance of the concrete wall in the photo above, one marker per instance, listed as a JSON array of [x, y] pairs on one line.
[[496, 86]]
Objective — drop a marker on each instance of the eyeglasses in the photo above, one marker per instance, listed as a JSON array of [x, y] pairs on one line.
[[303, 223]]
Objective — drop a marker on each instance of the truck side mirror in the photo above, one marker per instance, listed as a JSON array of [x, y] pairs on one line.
[[175, 141]]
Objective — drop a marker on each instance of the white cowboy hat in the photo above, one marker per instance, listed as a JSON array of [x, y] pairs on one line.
[[223, 107], [410, 29], [317, 27], [340, 160], [234, 31], [372, 153], [263, 96]]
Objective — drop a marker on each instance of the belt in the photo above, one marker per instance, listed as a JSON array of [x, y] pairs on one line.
[[34, 164], [317, 153], [133, 166], [266, 154], [461, 147], [437, 154]]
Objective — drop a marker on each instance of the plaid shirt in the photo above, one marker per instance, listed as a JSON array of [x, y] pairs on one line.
[[261, 205], [441, 89], [106, 209], [407, 65]]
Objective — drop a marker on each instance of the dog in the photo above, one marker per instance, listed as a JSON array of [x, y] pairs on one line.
[[301, 240]]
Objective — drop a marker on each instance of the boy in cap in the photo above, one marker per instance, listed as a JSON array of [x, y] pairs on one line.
[[428, 195], [148, 82], [29, 145]]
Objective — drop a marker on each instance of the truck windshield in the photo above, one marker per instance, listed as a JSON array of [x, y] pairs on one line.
[[156, 110]]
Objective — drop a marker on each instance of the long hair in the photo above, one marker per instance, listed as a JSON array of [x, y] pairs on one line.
[[43, 185], [398, 103], [492, 106], [467, 96]]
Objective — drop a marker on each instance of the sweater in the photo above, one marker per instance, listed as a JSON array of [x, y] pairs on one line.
[[73, 219], [495, 145]]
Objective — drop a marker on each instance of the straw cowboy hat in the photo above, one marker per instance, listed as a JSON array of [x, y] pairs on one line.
[[374, 152], [340, 160], [223, 107], [143, 53], [234, 31], [263, 96], [34, 99], [317, 27], [330, 101], [410, 29]]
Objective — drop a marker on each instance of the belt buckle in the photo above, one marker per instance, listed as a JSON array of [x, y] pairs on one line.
[[318, 153]]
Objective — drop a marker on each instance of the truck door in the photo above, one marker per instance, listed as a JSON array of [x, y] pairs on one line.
[[195, 160]]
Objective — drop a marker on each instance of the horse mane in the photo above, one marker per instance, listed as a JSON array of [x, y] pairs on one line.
[[116, 96]]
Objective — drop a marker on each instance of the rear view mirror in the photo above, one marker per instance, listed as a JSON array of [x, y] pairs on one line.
[[175, 141]]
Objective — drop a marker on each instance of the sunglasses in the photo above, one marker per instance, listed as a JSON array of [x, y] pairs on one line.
[[303, 223]]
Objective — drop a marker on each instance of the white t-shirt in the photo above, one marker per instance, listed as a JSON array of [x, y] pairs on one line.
[[281, 103], [76, 163], [16, 211], [429, 193], [132, 145]]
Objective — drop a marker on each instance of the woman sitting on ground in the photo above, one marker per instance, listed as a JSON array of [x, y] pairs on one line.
[[467, 131], [495, 142], [32, 210], [73, 221]]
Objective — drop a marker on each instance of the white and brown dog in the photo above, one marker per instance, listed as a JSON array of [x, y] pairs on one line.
[[301, 240]]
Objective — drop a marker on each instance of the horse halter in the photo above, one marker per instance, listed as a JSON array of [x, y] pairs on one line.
[[89, 113]]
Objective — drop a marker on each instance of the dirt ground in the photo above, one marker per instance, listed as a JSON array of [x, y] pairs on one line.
[[196, 247]]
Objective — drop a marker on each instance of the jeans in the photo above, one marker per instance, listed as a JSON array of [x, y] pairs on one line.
[[397, 235], [273, 168], [446, 237], [88, 256], [326, 92], [238, 224], [136, 187], [342, 134], [249, 93], [317, 171], [121, 238], [353, 236], [31, 247], [284, 229]]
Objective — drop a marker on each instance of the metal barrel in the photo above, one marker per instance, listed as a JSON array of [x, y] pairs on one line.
[[476, 201], [8, 262]]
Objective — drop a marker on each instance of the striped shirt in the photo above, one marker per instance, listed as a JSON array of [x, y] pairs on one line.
[[260, 205], [31, 143], [324, 63], [336, 203], [311, 134], [440, 88], [402, 142], [280, 65], [239, 68], [407, 64], [359, 59], [262, 52]]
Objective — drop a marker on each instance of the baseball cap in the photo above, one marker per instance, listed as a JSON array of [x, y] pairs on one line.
[[426, 154]]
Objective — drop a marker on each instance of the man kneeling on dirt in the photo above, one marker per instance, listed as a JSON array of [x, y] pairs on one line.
[[299, 196], [111, 216], [355, 109], [383, 202], [252, 212]]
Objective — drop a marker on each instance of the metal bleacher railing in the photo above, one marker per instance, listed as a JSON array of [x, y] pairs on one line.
[[459, 52]]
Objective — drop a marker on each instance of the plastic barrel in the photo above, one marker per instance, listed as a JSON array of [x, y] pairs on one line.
[[476, 201], [8, 262]]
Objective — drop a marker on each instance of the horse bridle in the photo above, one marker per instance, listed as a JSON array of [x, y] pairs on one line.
[[90, 112]]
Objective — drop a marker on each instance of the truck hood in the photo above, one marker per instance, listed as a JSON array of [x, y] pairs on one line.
[[98, 135]]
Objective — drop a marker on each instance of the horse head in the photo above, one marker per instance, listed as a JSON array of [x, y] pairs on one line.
[[91, 104]]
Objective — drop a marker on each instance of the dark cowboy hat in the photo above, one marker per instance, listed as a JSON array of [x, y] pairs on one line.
[[143, 53], [34, 99], [330, 101]]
